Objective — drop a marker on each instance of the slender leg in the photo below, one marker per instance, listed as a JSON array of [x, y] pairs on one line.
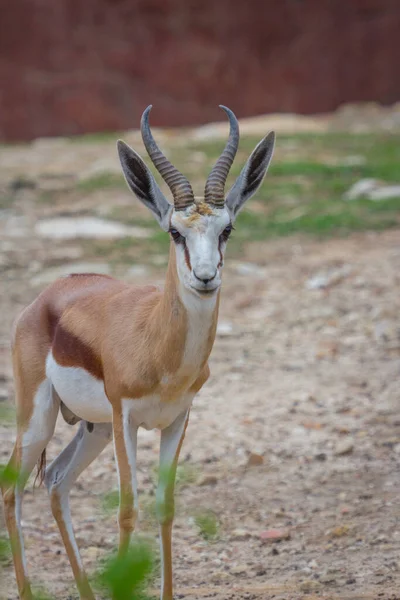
[[60, 476], [125, 445], [171, 442], [30, 443]]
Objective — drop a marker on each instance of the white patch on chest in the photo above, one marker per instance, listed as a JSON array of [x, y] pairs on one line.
[[200, 314], [151, 413], [82, 393]]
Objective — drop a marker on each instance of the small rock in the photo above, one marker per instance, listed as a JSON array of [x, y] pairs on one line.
[[361, 188], [207, 480], [308, 586], [313, 564], [385, 193], [373, 190], [219, 577], [344, 447], [224, 329], [275, 535], [255, 460], [66, 228], [3, 394], [240, 535], [239, 569], [327, 578], [324, 279]]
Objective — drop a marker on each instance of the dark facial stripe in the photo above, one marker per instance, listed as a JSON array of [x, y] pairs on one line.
[[221, 258], [187, 258], [70, 351]]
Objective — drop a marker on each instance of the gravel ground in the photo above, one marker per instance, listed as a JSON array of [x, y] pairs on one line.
[[297, 430]]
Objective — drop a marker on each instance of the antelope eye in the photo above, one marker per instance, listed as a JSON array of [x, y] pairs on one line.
[[176, 236], [226, 232]]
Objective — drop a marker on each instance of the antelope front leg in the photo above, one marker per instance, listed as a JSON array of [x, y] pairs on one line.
[[171, 442], [125, 445]]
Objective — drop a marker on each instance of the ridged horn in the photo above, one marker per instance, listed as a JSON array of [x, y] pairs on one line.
[[215, 186], [178, 184]]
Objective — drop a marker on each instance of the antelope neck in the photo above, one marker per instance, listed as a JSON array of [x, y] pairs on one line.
[[181, 308]]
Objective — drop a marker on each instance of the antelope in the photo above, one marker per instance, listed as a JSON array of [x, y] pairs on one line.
[[118, 357]]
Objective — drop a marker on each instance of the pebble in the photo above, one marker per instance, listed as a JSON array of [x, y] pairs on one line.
[[238, 569], [255, 460], [225, 329], [325, 279], [240, 535], [67, 228], [275, 535], [361, 188], [344, 447], [207, 480], [327, 578], [385, 193], [313, 564], [373, 190], [219, 577]]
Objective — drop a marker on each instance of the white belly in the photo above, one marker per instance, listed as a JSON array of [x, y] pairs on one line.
[[84, 395], [80, 391]]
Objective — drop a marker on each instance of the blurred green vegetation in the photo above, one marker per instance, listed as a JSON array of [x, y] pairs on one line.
[[308, 177], [303, 192], [102, 181], [127, 577], [207, 523]]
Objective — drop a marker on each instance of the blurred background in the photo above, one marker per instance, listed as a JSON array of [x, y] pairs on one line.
[[289, 478], [92, 66]]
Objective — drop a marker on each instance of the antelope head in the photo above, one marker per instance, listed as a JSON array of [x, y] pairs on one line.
[[199, 228]]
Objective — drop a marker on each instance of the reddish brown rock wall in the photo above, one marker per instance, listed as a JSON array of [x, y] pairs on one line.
[[75, 66]]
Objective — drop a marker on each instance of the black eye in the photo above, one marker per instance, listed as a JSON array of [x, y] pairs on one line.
[[226, 232], [176, 236]]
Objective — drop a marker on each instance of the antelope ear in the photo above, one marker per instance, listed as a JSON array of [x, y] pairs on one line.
[[142, 183], [252, 175]]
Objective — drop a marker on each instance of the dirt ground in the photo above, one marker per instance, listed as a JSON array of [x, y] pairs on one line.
[[297, 430], [303, 375]]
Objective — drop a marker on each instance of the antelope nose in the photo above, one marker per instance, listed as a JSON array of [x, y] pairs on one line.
[[204, 280]]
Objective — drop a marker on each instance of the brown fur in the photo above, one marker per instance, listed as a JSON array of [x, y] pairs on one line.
[[200, 208], [128, 337], [68, 350], [203, 208]]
